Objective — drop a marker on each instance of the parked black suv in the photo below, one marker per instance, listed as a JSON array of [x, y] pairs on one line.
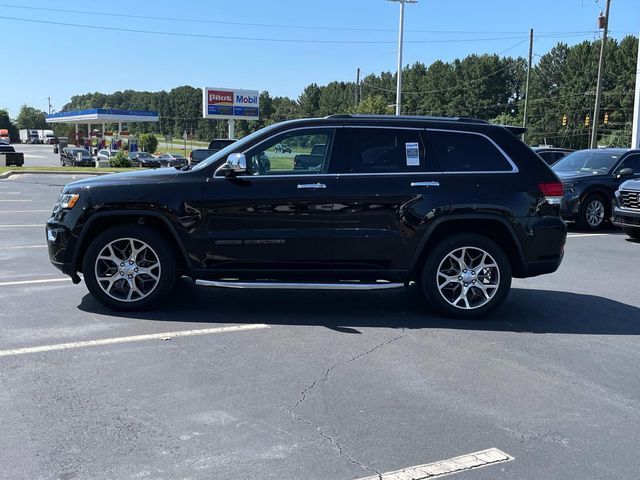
[[590, 179], [457, 205]]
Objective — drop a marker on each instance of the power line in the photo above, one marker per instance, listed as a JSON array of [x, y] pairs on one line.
[[247, 24], [263, 39]]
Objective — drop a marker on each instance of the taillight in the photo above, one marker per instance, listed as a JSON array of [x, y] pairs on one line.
[[552, 192]]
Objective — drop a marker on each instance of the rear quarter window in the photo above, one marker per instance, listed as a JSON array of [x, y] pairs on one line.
[[467, 152]]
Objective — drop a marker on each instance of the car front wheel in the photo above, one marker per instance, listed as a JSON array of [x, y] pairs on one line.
[[466, 276], [593, 212], [129, 267]]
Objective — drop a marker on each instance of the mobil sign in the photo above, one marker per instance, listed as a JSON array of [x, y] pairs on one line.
[[230, 103]]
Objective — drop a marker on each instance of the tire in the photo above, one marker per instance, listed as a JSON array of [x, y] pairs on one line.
[[594, 211], [154, 254], [446, 294], [632, 232], [73, 163]]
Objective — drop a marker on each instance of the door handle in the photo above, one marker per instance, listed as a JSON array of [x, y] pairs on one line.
[[311, 186], [425, 184]]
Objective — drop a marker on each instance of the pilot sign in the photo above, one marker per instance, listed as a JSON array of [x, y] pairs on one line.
[[227, 104]]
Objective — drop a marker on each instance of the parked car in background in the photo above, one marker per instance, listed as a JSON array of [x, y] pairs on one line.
[[143, 159], [76, 157], [9, 156], [4, 136], [590, 179], [172, 160], [105, 155], [220, 143], [388, 205], [552, 154], [282, 148], [626, 211], [215, 146]]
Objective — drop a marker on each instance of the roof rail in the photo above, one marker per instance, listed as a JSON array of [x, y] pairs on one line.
[[410, 117]]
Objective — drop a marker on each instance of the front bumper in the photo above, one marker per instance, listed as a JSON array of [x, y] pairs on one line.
[[60, 242], [570, 205], [626, 217]]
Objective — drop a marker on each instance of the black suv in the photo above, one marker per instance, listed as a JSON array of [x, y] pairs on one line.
[[457, 205], [590, 179]]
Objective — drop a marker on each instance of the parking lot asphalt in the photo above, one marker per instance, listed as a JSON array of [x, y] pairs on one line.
[[314, 385], [38, 155]]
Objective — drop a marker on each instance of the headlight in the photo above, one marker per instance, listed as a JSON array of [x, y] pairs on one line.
[[68, 200]]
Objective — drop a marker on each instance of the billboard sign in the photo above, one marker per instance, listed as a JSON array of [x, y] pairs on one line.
[[227, 104]]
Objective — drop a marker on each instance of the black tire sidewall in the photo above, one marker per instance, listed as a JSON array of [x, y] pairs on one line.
[[438, 253], [582, 214], [151, 237], [632, 232]]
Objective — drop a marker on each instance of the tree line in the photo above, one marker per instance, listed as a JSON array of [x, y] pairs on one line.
[[489, 86]]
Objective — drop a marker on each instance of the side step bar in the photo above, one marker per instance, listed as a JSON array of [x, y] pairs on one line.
[[300, 286]]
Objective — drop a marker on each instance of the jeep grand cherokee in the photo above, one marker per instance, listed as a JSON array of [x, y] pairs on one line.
[[457, 205]]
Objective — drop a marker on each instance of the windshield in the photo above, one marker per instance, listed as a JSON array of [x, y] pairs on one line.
[[236, 146], [587, 161], [74, 152], [144, 155]]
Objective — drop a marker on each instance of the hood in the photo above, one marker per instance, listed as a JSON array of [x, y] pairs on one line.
[[631, 185], [575, 176], [160, 175]]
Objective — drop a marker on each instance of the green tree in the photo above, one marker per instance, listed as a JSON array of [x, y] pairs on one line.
[[30, 117], [148, 142], [374, 104]]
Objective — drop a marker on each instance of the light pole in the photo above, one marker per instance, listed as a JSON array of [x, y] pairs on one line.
[[400, 35], [596, 108]]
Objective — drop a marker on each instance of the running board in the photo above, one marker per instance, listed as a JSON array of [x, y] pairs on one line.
[[300, 286]]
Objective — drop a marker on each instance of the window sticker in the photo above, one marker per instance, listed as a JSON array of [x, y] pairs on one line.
[[413, 154]]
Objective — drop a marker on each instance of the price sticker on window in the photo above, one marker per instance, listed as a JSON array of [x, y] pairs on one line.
[[413, 154]]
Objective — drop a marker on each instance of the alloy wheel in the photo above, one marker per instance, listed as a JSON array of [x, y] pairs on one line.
[[595, 213], [468, 278], [127, 269]]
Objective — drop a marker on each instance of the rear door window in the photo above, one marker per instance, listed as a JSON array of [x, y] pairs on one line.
[[379, 151], [467, 152]]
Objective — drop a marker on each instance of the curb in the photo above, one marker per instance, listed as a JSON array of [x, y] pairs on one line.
[[48, 172]]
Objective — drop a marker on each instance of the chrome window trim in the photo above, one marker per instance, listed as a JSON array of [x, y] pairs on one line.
[[514, 167], [335, 175]]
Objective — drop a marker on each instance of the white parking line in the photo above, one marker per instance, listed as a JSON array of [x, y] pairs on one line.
[[24, 211], [134, 338], [25, 225], [573, 235], [30, 282], [439, 469], [12, 193], [23, 200], [22, 246]]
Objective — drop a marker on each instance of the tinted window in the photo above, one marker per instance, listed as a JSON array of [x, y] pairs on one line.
[[380, 150], [548, 157], [467, 152], [632, 161], [587, 161], [268, 158]]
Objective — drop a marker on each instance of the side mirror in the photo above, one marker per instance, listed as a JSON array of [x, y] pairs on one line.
[[236, 164], [625, 172]]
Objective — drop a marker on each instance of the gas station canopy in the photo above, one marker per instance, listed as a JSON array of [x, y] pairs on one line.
[[103, 115]]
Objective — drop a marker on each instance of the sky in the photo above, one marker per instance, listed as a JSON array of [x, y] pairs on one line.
[[69, 47]]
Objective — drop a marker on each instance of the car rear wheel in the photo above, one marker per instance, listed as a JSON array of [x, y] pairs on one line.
[[466, 276], [632, 232], [593, 212], [129, 267]]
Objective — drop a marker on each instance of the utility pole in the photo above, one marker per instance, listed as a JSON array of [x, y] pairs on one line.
[[635, 135], [49, 100], [400, 42], [358, 99], [596, 108], [526, 93]]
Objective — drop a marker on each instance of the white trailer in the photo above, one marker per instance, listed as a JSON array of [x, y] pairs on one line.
[[29, 135]]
